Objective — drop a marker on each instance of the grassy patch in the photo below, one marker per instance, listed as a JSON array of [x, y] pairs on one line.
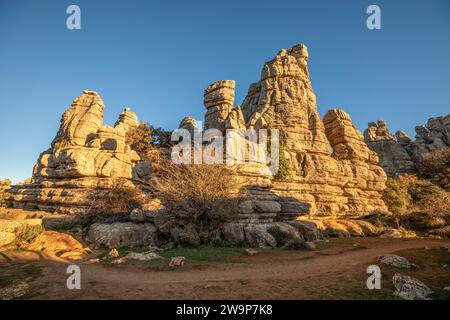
[[194, 256]]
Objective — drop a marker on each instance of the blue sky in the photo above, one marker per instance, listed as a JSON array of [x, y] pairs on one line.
[[158, 56]]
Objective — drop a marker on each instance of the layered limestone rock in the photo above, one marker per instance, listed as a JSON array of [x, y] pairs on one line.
[[344, 183], [433, 136], [394, 158], [219, 102], [85, 156], [399, 154]]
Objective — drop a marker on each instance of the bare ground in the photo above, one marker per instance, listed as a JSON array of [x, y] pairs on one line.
[[337, 270]]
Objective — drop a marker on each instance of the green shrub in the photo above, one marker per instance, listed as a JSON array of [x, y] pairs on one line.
[[396, 196]]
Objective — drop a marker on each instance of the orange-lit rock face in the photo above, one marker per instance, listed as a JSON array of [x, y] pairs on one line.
[[85, 155], [344, 181]]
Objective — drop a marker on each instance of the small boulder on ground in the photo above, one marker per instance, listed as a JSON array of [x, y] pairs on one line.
[[396, 261], [122, 234], [137, 215], [177, 262], [283, 233], [142, 256], [410, 288], [258, 237]]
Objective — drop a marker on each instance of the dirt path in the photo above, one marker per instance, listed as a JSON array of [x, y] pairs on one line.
[[338, 265]]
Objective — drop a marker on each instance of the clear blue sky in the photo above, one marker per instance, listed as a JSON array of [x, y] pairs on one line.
[[158, 56]]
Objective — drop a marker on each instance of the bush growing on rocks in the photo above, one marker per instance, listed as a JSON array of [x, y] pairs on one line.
[[140, 138], [197, 201]]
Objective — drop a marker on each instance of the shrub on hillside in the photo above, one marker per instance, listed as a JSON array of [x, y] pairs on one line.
[[396, 196], [198, 199], [417, 204], [435, 166]]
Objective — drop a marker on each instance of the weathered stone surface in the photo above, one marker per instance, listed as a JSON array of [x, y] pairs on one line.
[[396, 261], [307, 229], [410, 288], [347, 183], [177, 262], [394, 158], [399, 154], [142, 256], [122, 234], [85, 156], [233, 232]]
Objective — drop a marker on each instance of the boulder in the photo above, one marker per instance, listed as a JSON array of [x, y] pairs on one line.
[[142, 256], [283, 233], [233, 232], [258, 236], [307, 229], [177, 262], [122, 234], [137, 215], [396, 261], [410, 288]]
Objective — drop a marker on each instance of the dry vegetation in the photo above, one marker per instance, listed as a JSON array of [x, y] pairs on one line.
[[117, 201], [197, 199], [435, 166], [417, 205]]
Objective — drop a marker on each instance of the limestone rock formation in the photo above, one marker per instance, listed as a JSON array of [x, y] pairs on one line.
[[394, 158], [347, 182], [85, 156], [399, 154]]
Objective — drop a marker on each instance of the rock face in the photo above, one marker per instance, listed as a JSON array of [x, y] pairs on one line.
[[394, 158], [85, 156], [399, 154], [329, 169], [345, 182]]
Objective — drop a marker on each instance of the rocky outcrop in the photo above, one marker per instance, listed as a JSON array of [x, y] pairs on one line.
[[400, 154], [85, 156], [394, 158], [433, 136], [346, 182]]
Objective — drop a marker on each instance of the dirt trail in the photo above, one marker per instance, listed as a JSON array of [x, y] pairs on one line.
[[282, 274]]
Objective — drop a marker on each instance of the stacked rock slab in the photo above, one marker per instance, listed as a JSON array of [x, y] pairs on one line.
[[399, 154], [344, 183], [394, 158], [85, 157]]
